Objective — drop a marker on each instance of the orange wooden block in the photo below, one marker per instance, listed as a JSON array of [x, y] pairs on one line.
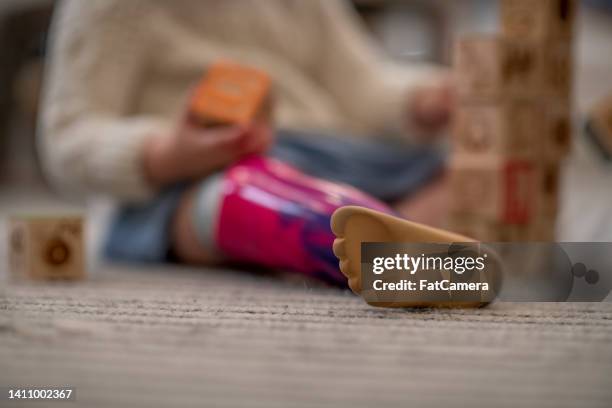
[[46, 248], [231, 93]]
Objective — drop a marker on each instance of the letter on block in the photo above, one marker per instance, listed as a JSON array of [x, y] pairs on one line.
[[46, 248]]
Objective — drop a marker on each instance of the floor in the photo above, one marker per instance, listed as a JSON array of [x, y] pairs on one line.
[[178, 337], [175, 336]]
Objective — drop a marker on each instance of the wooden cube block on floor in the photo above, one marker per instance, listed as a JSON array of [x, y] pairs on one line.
[[46, 248], [491, 67], [506, 127], [498, 188], [230, 94], [539, 19]]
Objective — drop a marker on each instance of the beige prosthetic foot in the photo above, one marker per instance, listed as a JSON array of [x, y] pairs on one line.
[[354, 225]]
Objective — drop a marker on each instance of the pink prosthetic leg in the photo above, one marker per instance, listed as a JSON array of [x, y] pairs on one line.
[[265, 212]]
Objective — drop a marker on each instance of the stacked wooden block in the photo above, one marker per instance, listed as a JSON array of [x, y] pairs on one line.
[[513, 128]]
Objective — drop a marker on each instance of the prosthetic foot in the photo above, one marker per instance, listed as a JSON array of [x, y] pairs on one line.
[[354, 225], [264, 212]]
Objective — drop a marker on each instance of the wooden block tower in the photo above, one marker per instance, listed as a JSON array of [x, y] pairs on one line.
[[513, 126]]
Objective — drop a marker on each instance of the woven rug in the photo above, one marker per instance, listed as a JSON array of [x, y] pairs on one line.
[[172, 336]]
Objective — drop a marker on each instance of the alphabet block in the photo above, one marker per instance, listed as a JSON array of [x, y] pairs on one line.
[[538, 20], [490, 68], [46, 248], [497, 188], [517, 126], [507, 127], [230, 94]]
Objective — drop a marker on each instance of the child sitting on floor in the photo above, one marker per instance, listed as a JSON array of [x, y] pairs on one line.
[[114, 122]]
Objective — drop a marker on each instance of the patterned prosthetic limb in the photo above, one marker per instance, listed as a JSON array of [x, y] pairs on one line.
[[265, 212]]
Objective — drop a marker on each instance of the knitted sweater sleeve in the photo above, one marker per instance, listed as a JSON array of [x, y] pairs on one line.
[[369, 85], [89, 142]]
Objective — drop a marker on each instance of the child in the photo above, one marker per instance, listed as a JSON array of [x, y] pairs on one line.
[[113, 119]]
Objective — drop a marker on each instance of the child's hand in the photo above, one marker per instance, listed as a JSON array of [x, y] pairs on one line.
[[431, 105], [193, 152]]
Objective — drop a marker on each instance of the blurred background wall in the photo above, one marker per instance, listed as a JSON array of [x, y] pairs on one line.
[[410, 30]]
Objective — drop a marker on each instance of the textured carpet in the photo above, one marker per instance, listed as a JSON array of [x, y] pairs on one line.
[[178, 337]]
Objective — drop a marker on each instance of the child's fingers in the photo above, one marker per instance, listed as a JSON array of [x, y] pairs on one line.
[[432, 107], [215, 136], [260, 139], [221, 145]]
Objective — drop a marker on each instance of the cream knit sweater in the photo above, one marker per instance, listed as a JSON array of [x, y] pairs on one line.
[[120, 70]]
